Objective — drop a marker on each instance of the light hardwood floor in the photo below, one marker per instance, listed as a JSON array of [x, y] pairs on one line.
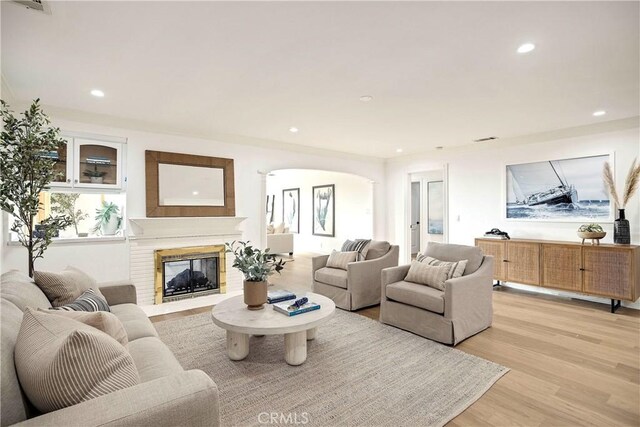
[[572, 362]]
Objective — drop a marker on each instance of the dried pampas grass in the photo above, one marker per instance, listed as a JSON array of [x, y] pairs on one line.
[[630, 187]]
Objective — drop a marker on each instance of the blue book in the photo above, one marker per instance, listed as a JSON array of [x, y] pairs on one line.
[[279, 296], [288, 309]]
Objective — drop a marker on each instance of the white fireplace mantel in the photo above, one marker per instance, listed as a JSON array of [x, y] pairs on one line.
[[162, 228]]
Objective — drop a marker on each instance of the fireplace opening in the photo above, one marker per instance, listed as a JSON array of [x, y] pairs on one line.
[[189, 272]]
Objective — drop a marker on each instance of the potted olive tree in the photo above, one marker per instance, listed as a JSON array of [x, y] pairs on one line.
[[256, 266], [26, 170]]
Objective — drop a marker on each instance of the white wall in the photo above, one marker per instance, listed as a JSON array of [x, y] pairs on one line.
[[110, 261], [353, 206], [476, 181]]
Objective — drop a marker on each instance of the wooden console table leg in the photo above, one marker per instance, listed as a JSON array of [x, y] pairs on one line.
[[614, 305], [311, 334], [295, 348], [237, 345]]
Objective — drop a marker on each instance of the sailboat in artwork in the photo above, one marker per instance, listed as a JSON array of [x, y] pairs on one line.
[[563, 193]]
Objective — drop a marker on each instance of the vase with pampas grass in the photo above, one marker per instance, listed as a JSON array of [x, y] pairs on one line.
[[621, 230]]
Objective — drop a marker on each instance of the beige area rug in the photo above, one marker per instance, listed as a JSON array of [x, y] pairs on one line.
[[358, 372]]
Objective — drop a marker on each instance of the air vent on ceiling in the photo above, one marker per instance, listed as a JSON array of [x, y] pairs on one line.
[[489, 138], [32, 4]]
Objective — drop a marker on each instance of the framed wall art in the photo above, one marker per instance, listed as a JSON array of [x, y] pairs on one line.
[[324, 210], [558, 190]]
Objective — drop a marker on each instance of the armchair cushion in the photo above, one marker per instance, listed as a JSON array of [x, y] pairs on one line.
[[425, 274], [332, 276], [341, 259], [452, 253], [416, 295]]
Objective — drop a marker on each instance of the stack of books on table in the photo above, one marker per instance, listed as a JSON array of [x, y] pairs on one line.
[[495, 236], [289, 309], [279, 296]]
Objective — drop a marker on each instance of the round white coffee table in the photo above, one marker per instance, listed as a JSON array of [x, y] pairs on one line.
[[239, 322]]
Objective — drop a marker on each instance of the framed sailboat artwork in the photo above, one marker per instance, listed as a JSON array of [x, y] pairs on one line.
[[562, 190]]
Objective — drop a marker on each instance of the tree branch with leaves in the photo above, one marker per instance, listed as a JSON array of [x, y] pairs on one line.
[[26, 169]]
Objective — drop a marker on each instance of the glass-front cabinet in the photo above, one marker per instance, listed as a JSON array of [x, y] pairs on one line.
[[97, 164], [89, 163]]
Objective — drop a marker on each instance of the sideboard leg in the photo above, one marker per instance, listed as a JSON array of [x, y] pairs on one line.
[[614, 305]]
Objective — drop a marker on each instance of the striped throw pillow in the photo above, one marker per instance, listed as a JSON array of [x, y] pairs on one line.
[[64, 287], [88, 301], [101, 320], [456, 269], [424, 274], [361, 246], [61, 362], [341, 259]]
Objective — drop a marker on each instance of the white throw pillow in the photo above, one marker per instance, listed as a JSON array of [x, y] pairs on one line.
[[279, 229], [425, 274], [341, 259]]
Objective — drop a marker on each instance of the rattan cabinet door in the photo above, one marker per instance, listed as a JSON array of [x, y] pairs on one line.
[[607, 272], [497, 250], [523, 262], [561, 267]]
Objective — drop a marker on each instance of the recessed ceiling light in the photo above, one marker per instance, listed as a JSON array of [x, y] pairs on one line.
[[398, 150], [599, 113], [526, 48], [293, 130], [97, 93], [366, 98], [195, 193]]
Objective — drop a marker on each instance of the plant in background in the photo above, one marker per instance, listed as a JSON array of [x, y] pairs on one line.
[[65, 203], [95, 173], [591, 228], [108, 220], [256, 265], [27, 169], [630, 186]]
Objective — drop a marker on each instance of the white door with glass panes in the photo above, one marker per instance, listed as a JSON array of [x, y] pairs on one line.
[[98, 164]]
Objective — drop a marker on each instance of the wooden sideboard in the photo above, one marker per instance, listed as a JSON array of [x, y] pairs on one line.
[[610, 271]]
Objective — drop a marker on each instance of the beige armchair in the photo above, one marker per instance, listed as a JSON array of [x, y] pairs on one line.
[[358, 286], [463, 309]]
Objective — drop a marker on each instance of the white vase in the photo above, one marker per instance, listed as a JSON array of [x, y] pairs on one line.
[[96, 180], [110, 228]]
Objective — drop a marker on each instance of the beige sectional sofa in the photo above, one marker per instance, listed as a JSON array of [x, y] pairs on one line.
[[166, 395]]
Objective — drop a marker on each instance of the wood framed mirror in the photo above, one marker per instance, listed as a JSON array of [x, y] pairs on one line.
[[188, 185]]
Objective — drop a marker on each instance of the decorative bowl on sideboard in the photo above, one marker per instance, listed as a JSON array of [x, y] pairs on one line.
[[595, 236]]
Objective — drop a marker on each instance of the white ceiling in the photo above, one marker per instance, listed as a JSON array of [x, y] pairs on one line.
[[441, 74]]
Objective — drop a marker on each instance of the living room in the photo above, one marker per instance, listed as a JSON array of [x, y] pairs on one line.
[[305, 125]]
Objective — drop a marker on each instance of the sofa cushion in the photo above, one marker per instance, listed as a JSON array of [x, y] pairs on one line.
[[153, 359], [101, 320], [341, 259], [359, 245], [377, 249], [20, 289], [12, 404], [62, 362], [416, 295], [135, 321], [456, 268], [332, 276], [425, 274], [64, 287], [88, 301], [450, 252]]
